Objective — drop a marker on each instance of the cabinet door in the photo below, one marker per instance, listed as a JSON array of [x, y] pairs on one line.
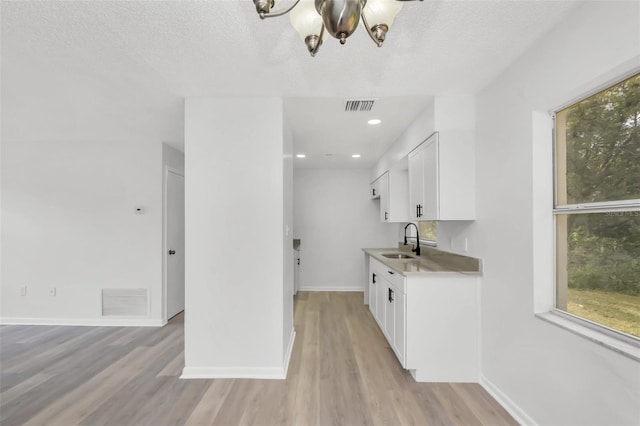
[[400, 326], [430, 181], [374, 280], [383, 187], [374, 191], [390, 314], [380, 309], [416, 185]]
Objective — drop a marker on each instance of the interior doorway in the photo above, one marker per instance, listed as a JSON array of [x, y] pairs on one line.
[[174, 255]]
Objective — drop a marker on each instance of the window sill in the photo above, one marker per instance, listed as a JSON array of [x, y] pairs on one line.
[[601, 338], [429, 243]]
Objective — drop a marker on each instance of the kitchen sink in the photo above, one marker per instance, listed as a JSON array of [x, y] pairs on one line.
[[397, 256]]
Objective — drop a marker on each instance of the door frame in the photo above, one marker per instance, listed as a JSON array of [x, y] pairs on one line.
[[165, 248]]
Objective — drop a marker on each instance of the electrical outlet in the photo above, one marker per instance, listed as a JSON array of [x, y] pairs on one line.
[[23, 290], [52, 291]]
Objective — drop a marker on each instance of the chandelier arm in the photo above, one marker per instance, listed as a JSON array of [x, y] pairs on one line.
[[366, 25], [315, 50], [280, 13]]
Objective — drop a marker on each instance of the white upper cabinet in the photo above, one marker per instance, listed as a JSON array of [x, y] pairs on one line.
[[416, 183], [442, 179], [383, 186], [392, 190], [374, 189]]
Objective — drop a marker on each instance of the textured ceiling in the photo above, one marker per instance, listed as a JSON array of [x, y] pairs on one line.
[[122, 68]]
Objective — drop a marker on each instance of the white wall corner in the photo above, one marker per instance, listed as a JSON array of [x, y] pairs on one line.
[[269, 373], [507, 403], [289, 351]]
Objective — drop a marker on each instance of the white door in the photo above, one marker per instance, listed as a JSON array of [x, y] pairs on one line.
[[296, 271], [175, 244]]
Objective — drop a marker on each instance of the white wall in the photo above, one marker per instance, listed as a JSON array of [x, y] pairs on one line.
[[68, 222], [79, 153], [420, 129], [172, 158], [234, 202], [554, 376], [335, 218]]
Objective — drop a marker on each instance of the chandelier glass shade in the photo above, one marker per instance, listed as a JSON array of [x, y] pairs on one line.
[[314, 19]]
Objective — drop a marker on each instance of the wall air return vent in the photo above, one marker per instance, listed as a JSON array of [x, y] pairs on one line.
[[357, 105], [127, 302]]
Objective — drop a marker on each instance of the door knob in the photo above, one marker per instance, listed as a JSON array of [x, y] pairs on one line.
[[172, 252]]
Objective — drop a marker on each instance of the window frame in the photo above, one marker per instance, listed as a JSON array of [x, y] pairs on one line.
[[617, 206]]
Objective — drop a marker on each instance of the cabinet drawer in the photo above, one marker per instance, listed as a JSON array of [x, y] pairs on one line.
[[380, 269], [395, 278]]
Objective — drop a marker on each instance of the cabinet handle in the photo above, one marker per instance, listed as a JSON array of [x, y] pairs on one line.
[[298, 261], [391, 295], [373, 192], [417, 210], [386, 216], [391, 272], [373, 278]]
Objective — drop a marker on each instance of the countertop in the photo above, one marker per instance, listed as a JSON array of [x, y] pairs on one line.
[[430, 261]]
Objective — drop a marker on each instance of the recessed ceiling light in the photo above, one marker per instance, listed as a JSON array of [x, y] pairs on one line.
[[355, 156], [374, 121], [300, 155]]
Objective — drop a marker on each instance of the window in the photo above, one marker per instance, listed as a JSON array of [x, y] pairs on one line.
[[428, 231], [597, 208]]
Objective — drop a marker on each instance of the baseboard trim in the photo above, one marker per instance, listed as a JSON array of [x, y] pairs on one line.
[[507, 403], [233, 373], [88, 322], [360, 289], [287, 355]]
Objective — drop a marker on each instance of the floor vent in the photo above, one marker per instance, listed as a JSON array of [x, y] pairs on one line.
[[359, 105], [125, 302]]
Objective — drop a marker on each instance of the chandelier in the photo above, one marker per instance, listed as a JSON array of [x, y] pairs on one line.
[[314, 19]]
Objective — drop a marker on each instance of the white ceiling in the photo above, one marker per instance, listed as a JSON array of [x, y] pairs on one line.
[[121, 69]]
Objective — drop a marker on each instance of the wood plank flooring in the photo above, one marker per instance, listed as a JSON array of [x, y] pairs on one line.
[[342, 372]]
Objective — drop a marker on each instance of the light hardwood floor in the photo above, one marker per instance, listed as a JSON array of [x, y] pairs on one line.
[[342, 372]]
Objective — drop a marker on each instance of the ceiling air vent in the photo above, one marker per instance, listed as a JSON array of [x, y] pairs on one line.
[[359, 105]]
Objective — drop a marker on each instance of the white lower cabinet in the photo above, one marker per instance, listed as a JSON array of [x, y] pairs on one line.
[[430, 321], [399, 337], [374, 279], [394, 308], [380, 311], [389, 313]]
